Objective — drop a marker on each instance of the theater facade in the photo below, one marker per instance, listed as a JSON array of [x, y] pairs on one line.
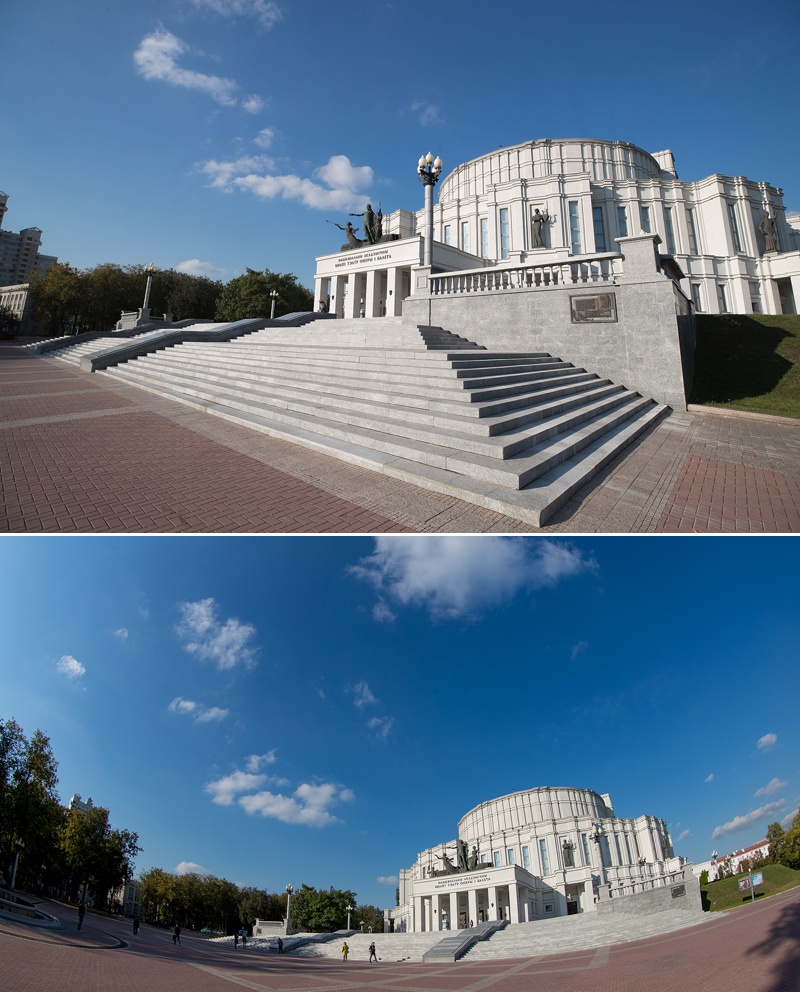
[[574, 201], [534, 855]]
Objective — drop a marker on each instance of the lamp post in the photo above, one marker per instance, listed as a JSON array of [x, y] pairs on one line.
[[349, 909], [20, 844], [289, 891], [597, 837], [428, 169], [274, 297]]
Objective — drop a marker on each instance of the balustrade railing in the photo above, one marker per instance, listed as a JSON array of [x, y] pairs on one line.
[[534, 276]]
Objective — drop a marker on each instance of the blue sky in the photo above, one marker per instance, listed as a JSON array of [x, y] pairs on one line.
[[215, 135], [318, 710]]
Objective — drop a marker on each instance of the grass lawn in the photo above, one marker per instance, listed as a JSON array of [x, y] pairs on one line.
[[725, 894], [748, 362]]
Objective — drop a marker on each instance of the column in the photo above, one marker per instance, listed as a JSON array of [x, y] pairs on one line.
[[513, 902], [453, 911], [491, 913], [394, 292], [370, 296], [337, 294], [418, 921], [352, 301], [472, 900]]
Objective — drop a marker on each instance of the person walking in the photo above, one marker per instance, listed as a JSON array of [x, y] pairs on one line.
[[81, 913], [136, 926], [280, 945], [235, 941], [176, 937], [345, 951], [372, 955], [244, 940]]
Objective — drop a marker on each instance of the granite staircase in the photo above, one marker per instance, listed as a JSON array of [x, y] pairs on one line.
[[518, 433]]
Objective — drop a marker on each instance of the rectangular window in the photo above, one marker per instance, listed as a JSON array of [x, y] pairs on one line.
[[484, 237], [644, 213], [755, 297], [526, 859], [585, 845], [619, 849], [697, 297], [504, 233], [622, 222], [691, 230], [722, 298], [669, 230], [599, 233], [447, 234], [574, 228], [737, 243], [543, 856], [465, 236], [497, 859], [510, 856], [628, 849]]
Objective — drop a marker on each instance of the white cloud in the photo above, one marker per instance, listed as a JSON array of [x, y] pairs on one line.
[[71, 667], [427, 114], [194, 267], [253, 104], [121, 633], [683, 835], [338, 190], [767, 742], [579, 648], [266, 12], [382, 613], [256, 761], [308, 805], [156, 58], [788, 820], [381, 726], [457, 576], [362, 695], [264, 138], [201, 714], [709, 778], [740, 823], [190, 868], [771, 788], [225, 789], [226, 643], [387, 880]]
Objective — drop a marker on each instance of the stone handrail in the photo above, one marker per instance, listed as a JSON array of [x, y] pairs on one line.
[[578, 271]]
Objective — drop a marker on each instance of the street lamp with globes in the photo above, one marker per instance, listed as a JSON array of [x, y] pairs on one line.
[[428, 170]]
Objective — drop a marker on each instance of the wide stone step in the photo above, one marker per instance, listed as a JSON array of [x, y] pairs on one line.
[[509, 413], [530, 432]]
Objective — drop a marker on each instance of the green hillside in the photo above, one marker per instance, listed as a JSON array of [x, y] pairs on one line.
[[748, 362], [725, 893]]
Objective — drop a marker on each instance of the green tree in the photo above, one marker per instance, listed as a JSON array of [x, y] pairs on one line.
[[248, 295], [97, 856], [776, 836], [157, 889], [791, 853], [256, 904], [9, 323], [370, 916], [321, 911], [56, 298]]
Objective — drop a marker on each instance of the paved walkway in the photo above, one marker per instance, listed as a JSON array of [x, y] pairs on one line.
[[79, 453], [755, 948]]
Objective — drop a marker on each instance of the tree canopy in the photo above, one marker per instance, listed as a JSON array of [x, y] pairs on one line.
[[248, 295]]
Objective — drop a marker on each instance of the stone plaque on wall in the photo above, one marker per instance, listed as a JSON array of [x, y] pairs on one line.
[[593, 309]]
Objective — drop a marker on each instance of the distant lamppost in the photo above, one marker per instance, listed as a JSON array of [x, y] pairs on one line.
[[289, 891], [428, 169], [349, 909], [274, 297], [20, 844]]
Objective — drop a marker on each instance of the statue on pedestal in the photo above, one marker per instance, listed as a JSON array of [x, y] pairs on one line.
[[770, 231], [537, 225]]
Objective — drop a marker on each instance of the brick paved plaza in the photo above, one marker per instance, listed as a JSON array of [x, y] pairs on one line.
[[755, 948], [79, 453]]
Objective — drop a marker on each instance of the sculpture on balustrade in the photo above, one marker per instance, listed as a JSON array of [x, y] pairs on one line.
[[538, 222]]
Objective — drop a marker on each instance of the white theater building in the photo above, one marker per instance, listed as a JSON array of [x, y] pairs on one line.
[[730, 237], [533, 855]]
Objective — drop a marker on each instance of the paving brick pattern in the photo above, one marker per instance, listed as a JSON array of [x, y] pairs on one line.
[[755, 948], [81, 453]]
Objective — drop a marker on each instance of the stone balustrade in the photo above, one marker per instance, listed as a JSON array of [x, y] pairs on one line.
[[584, 271]]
